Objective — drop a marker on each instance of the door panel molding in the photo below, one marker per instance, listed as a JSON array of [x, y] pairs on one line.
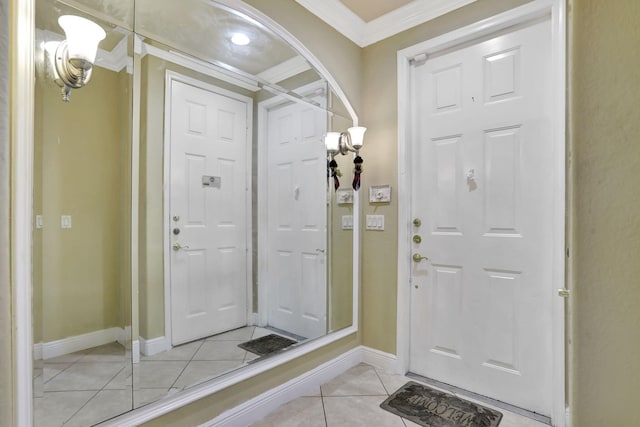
[[531, 11]]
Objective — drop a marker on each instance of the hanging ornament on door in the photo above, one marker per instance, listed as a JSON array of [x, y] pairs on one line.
[[357, 170]]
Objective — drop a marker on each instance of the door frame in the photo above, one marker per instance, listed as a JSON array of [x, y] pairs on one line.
[[262, 315], [170, 77], [556, 9]]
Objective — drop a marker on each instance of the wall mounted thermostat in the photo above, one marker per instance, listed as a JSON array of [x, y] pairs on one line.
[[344, 196], [380, 194]]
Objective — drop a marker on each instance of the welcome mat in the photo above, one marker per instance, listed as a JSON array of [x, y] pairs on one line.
[[433, 408], [267, 344]]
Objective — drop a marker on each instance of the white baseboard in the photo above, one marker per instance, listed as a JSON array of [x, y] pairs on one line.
[[253, 319], [260, 406], [124, 337], [135, 351], [379, 359], [68, 345], [37, 351], [154, 345]]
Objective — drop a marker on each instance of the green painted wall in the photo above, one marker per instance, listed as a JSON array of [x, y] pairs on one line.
[[605, 146], [81, 275]]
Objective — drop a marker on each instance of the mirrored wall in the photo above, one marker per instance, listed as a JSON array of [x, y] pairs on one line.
[[185, 224]]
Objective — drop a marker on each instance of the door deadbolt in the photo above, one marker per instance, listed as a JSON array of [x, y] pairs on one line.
[[417, 222], [176, 218], [176, 231], [417, 239]]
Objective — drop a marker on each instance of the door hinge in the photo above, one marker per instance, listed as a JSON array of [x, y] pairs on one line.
[[564, 293]]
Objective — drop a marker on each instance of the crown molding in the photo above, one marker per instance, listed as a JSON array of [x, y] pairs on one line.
[[284, 70], [339, 16], [336, 14]]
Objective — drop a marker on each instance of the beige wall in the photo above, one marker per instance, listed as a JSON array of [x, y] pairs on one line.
[[605, 146], [81, 152]]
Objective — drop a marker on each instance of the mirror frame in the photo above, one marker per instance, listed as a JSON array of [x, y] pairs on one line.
[[22, 102]]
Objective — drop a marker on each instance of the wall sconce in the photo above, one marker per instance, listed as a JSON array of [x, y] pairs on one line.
[[343, 142], [75, 56]]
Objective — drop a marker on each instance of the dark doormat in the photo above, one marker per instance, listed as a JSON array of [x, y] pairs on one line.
[[432, 408], [267, 344]]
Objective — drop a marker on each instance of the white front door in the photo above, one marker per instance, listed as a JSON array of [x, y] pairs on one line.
[[208, 208], [482, 187], [297, 220]]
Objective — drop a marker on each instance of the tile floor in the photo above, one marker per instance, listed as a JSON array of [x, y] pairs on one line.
[[87, 387], [353, 399], [90, 386]]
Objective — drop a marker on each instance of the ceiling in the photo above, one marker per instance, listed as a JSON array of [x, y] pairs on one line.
[[368, 21], [371, 9]]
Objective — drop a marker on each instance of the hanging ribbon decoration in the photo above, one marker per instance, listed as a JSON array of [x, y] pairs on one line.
[[357, 170], [335, 173]]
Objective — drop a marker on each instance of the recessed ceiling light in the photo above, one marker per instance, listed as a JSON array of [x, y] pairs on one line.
[[240, 39]]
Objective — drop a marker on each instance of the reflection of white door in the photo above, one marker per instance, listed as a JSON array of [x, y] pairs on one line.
[[482, 172], [297, 216], [208, 138]]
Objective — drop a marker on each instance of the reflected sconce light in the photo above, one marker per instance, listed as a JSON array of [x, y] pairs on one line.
[[75, 56], [351, 140]]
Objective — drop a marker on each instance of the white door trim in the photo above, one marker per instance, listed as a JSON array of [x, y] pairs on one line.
[[535, 9], [169, 78], [22, 106]]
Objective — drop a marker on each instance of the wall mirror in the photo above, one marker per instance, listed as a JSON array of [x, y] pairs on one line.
[[185, 226]]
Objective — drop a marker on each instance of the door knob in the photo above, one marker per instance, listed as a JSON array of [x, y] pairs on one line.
[[178, 246], [418, 257]]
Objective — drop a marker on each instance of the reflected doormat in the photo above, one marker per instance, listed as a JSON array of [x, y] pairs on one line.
[[267, 344], [433, 408]]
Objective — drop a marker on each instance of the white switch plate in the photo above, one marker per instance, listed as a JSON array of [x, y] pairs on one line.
[[347, 222], [375, 222], [380, 194], [39, 221], [65, 221]]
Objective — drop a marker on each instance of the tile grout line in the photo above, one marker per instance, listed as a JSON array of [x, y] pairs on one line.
[[102, 389], [187, 364], [324, 409]]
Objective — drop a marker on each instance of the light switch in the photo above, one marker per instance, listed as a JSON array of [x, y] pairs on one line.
[[65, 221], [39, 221], [347, 222], [375, 222]]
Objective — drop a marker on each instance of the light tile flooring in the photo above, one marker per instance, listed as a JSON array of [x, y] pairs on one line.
[[353, 399], [90, 386]]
